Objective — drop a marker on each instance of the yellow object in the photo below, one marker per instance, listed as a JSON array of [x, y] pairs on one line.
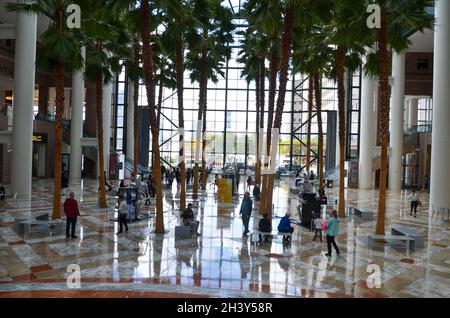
[[225, 192]]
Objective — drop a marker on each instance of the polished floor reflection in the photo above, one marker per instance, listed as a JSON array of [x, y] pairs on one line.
[[221, 262]]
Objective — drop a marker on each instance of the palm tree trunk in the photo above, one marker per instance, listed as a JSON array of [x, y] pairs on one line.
[[160, 98], [318, 94], [136, 120], [204, 173], [310, 110], [101, 158], [201, 102], [273, 70], [149, 79], [286, 48], [135, 128], [180, 87], [342, 127], [383, 64], [258, 124], [59, 83]]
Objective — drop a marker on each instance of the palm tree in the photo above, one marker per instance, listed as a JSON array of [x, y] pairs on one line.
[[61, 55], [286, 52], [310, 111], [206, 59], [348, 52], [397, 18], [132, 62], [145, 18], [266, 18], [103, 31], [252, 55], [180, 28]]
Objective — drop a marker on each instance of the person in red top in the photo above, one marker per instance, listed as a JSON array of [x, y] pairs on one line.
[[72, 213]]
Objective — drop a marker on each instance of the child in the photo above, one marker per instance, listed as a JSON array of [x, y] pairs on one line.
[[318, 223]]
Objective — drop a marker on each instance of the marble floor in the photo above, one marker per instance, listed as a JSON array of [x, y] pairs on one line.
[[221, 262]]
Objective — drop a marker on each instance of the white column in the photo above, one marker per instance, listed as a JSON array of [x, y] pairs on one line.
[[406, 114], [130, 121], [76, 123], [368, 120], [440, 169], [106, 106], [24, 75], [396, 136], [413, 112]]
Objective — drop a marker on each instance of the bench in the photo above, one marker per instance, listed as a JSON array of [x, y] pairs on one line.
[[364, 214], [26, 226], [23, 225], [43, 216], [408, 231], [182, 231], [393, 238], [276, 233]]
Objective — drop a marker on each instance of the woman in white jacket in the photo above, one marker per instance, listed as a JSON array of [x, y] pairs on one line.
[[415, 201]]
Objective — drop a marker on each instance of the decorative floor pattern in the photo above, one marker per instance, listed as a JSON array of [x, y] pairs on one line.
[[221, 262]]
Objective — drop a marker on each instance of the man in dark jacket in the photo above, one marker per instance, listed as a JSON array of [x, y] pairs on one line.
[[189, 219], [246, 211], [256, 192], [265, 225], [72, 213]]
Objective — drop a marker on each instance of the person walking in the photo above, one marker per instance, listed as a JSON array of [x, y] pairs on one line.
[[2, 196], [238, 178], [72, 213], [64, 183], [415, 201], [249, 182], [318, 222], [129, 202], [246, 211], [425, 183], [332, 231], [123, 214], [256, 192]]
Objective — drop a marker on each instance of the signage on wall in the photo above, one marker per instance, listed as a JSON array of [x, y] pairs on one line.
[[38, 137]]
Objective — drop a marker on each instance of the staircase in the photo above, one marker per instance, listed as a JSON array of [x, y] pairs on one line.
[[411, 141], [91, 151]]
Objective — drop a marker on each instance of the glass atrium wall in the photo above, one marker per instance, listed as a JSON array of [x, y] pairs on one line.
[[231, 115]]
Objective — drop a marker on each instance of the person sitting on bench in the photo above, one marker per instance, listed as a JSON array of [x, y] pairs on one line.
[[265, 225], [285, 226], [188, 219]]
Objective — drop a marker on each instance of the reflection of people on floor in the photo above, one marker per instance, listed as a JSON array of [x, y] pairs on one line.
[[244, 259], [186, 250]]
